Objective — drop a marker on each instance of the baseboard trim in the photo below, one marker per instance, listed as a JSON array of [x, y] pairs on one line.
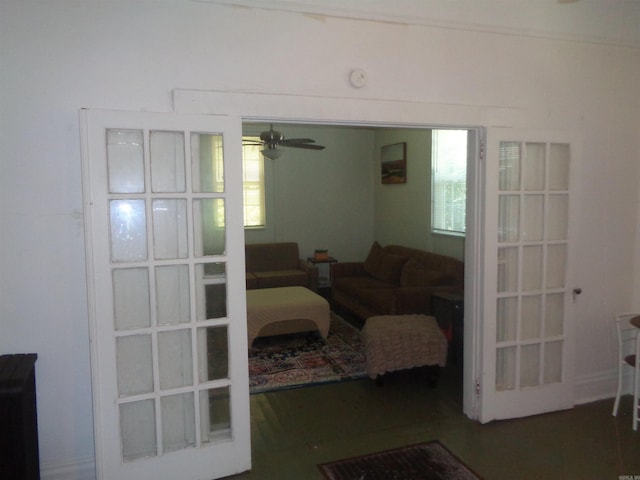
[[595, 387], [80, 469]]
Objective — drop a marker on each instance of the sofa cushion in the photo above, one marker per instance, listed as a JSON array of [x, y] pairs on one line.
[[266, 257], [282, 278], [369, 291], [384, 266], [415, 274]]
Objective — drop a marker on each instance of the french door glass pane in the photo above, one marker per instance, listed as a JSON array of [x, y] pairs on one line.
[[531, 315], [507, 269], [207, 163], [138, 429], [128, 230], [556, 265], [214, 353], [211, 291], [125, 161], [215, 414], [134, 365], [210, 233], [554, 315], [507, 321], [533, 218], [178, 421], [508, 218], [530, 365], [167, 162], [172, 294], [170, 228], [532, 268], [505, 368], [533, 168], [559, 155], [131, 298], [175, 359], [509, 178], [553, 362], [557, 217]]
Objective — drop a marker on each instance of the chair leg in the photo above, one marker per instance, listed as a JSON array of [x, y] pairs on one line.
[[636, 384], [616, 403], [636, 405]]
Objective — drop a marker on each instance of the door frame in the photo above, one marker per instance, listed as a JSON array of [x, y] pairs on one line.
[[266, 107]]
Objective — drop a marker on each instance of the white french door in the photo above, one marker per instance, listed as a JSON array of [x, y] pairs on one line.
[[165, 269], [527, 330]]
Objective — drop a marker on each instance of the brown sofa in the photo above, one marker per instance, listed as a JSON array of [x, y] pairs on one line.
[[270, 265], [394, 280]]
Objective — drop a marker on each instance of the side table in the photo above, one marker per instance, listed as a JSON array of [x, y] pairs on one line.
[[324, 270], [448, 308]]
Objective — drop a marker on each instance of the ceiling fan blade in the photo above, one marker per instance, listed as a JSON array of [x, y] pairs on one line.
[[252, 143], [296, 140], [309, 146]]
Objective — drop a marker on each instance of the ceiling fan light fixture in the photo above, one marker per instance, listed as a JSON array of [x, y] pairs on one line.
[[271, 153]]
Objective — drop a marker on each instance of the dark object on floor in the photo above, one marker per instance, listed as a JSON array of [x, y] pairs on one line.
[[424, 461]]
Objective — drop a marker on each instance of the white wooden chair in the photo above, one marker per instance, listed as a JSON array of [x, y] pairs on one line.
[[628, 332]]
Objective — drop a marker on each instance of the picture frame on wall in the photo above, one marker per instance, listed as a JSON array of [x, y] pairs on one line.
[[393, 163]]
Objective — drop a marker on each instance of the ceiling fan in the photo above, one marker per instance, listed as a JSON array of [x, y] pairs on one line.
[[271, 139]]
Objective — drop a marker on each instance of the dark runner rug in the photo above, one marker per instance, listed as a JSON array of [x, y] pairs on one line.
[[424, 461], [296, 360]]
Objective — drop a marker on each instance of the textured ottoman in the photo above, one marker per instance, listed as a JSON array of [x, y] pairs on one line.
[[398, 342]]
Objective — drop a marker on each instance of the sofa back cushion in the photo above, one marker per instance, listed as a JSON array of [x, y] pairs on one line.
[[415, 274], [433, 262], [384, 266], [267, 257]]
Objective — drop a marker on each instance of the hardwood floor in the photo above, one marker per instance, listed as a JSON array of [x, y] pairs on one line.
[[294, 430]]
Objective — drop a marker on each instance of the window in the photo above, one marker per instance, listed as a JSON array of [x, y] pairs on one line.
[[253, 184], [448, 181]]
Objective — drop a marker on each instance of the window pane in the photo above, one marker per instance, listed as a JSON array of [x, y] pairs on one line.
[[448, 180], [253, 184]]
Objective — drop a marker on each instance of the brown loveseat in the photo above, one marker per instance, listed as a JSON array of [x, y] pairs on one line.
[[270, 265], [394, 280]]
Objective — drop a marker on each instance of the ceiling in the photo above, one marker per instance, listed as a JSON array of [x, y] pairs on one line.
[[596, 21]]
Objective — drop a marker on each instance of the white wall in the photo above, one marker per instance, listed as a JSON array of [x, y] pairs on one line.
[[56, 57], [322, 199], [402, 213]]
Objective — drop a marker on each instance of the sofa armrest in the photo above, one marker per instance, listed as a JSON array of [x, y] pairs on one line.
[[347, 269]]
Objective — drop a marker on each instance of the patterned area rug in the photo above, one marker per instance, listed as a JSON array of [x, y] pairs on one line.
[[296, 360], [424, 461]]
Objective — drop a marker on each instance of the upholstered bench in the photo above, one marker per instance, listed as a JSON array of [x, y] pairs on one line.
[[398, 342]]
